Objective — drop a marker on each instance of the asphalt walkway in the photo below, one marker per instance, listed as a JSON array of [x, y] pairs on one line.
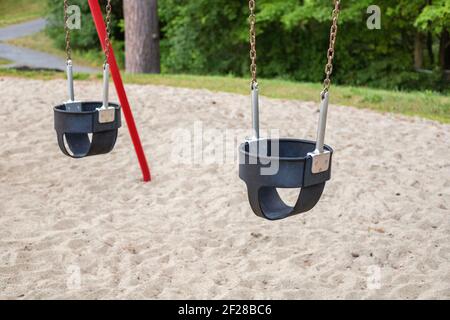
[[28, 58]]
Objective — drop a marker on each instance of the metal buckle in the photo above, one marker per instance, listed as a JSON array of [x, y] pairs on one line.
[[106, 115], [320, 161]]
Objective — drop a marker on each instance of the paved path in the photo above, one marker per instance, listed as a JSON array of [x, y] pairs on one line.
[[22, 29], [23, 57]]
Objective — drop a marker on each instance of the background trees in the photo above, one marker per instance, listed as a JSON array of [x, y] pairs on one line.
[[434, 19], [411, 51], [86, 38]]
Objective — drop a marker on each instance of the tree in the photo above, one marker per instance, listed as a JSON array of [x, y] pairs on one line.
[[435, 18], [418, 51], [444, 51], [142, 52]]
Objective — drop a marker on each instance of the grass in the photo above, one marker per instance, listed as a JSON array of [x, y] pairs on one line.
[[426, 104], [4, 62], [17, 11], [429, 105]]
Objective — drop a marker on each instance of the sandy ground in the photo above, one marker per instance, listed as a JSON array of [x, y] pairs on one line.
[[90, 229]]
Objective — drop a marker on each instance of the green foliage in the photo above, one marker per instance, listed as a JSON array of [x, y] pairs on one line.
[[438, 13], [17, 11], [4, 61], [204, 36], [211, 37], [86, 38]]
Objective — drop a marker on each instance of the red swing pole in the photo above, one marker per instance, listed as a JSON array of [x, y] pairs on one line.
[[115, 72]]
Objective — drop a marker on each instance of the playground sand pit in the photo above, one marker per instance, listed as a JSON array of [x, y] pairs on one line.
[[91, 228]]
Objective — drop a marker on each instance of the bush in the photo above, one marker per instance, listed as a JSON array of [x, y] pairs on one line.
[[204, 36], [86, 38]]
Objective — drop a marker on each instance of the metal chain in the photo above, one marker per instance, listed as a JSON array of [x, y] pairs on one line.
[[330, 52], [67, 30], [108, 31], [252, 19]]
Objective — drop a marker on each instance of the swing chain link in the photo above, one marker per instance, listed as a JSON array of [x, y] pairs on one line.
[[252, 20], [66, 28], [330, 52], [108, 31]]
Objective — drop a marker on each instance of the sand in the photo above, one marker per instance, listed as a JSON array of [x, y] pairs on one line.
[[90, 229]]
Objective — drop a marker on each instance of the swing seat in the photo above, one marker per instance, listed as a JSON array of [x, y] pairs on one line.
[[75, 127], [264, 169]]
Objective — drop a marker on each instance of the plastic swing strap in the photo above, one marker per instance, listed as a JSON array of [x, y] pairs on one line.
[[266, 201], [80, 145]]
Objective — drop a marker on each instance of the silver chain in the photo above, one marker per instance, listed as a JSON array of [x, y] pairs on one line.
[[252, 19], [108, 31], [67, 30], [330, 52]]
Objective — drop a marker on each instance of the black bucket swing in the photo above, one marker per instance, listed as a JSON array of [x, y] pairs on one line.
[[268, 164], [75, 121]]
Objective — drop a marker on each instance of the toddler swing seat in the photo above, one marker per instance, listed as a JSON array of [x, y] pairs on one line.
[[74, 126], [75, 121], [293, 166], [266, 165]]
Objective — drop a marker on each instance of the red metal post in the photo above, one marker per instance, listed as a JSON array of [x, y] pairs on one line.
[[115, 72]]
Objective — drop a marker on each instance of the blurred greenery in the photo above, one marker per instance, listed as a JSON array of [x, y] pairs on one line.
[[85, 41], [85, 38], [434, 17], [4, 61], [211, 37], [16, 11], [204, 36]]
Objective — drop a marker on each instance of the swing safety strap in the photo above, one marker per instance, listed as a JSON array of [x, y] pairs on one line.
[[81, 146], [266, 201]]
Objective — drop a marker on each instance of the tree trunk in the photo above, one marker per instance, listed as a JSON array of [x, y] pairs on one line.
[[418, 51], [444, 50], [142, 53], [430, 49]]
